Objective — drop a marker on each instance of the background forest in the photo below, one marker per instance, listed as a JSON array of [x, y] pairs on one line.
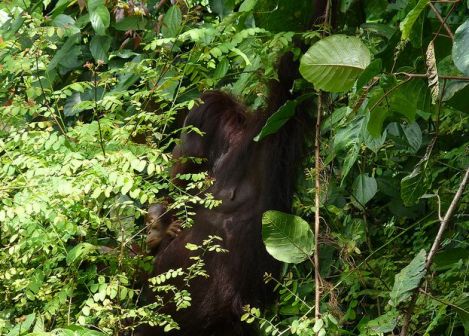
[[91, 93]]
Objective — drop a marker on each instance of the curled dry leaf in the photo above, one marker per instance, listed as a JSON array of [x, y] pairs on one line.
[[432, 73]]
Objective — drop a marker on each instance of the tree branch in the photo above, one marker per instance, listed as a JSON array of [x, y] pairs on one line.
[[442, 21], [414, 75], [436, 244]]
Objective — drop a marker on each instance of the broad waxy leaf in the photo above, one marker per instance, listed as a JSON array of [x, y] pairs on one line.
[[334, 63], [408, 279], [461, 48], [277, 120], [364, 188], [287, 238], [407, 24]]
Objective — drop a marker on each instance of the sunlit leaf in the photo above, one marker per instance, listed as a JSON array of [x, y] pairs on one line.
[[407, 24], [287, 238], [329, 68]]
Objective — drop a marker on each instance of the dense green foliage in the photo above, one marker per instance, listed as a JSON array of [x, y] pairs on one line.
[[89, 94]]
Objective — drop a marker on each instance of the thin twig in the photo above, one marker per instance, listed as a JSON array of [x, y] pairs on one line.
[[96, 110], [414, 75], [388, 92], [62, 128], [444, 222], [317, 143], [421, 290], [442, 21], [434, 248]]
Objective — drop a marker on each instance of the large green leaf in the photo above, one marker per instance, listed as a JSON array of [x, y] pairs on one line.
[[287, 238], [461, 48], [66, 22], [172, 22], [364, 188], [131, 23], [334, 63], [23, 326], [277, 120], [408, 279], [373, 69], [99, 47], [384, 323], [99, 16], [406, 100], [413, 135], [414, 185], [222, 7], [247, 5], [283, 15], [407, 24], [67, 54]]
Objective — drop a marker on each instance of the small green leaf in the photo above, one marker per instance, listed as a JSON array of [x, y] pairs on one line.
[[191, 247], [287, 238], [329, 68], [408, 279], [318, 325], [407, 24], [364, 188]]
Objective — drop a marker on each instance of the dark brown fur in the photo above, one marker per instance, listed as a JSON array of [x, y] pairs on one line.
[[249, 178]]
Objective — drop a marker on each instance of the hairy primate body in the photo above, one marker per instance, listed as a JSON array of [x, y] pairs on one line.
[[249, 178]]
